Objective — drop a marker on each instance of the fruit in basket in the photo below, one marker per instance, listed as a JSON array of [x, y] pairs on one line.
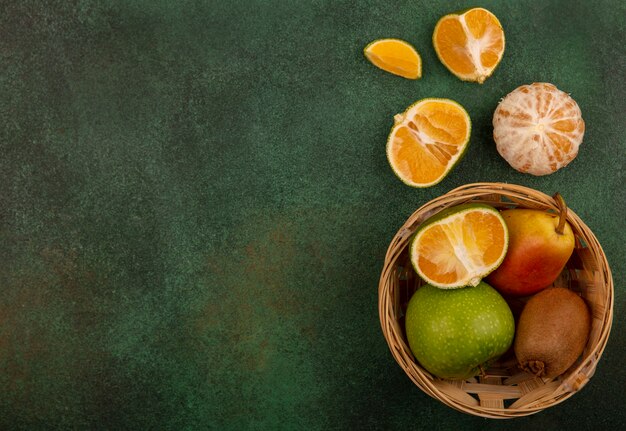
[[470, 44], [538, 128], [459, 246], [552, 332], [455, 333], [395, 56], [540, 244], [427, 141]]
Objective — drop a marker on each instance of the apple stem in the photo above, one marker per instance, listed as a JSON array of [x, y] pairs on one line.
[[482, 370], [560, 202]]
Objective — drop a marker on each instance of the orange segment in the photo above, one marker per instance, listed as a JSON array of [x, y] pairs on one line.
[[395, 56], [538, 128], [449, 36], [471, 44], [427, 140], [460, 246]]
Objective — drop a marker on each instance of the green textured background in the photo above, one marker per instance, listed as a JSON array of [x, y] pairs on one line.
[[195, 205]]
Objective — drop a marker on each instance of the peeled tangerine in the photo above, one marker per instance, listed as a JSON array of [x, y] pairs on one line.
[[538, 128]]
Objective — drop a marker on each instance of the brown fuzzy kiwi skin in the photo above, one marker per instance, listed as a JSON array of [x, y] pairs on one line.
[[552, 332]]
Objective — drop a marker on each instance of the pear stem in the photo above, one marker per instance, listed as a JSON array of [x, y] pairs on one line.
[[560, 202]]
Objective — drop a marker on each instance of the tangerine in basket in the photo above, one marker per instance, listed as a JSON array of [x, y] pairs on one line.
[[427, 141], [470, 44], [395, 56], [459, 246], [538, 128]]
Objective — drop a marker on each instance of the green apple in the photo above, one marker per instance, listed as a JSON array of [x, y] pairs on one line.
[[455, 333]]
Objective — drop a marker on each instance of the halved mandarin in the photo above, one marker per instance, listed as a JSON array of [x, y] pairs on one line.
[[427, 141], [470, 44], [460, 245], [395, 56]]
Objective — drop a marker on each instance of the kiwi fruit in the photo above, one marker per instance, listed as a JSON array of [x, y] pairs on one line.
[[552, 332]]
